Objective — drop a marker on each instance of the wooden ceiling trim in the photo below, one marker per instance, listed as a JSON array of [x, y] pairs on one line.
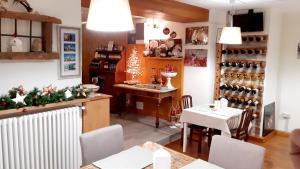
[[165, 9]]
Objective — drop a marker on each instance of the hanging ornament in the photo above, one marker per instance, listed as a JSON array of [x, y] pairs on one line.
[[68, 94], [173, 35], [82, 91], [166, 31], [19, 99], [47, 91]]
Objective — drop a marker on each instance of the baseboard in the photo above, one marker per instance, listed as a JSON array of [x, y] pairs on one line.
[[283, 133], [269, 136]]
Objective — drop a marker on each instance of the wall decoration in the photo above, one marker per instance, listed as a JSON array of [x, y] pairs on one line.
[[173, 35], [70, 52], [3, 5], [195, 57], [16, 45], [196, 35], [166, 31], [165, 48], [298, 54], [25, 4]]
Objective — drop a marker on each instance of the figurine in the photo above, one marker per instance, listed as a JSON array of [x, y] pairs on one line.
[[16, 45], [3, 5]]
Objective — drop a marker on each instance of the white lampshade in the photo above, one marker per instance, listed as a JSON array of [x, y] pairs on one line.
[[231, 35], [110, 16]]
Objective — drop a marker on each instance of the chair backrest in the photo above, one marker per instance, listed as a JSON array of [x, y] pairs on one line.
[[295, 148], [186, 101], [245, 121], [231, 153], [101, 143]]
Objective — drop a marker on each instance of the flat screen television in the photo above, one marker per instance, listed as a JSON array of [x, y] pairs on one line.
[[251, 22]]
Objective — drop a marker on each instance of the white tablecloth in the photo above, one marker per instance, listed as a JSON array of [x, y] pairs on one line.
[[223, 119]]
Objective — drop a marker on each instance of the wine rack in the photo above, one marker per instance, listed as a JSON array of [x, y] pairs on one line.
[[240, 75]]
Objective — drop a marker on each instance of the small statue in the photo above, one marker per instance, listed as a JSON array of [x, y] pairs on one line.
[[25, 4], [16, 45], [3, 5]]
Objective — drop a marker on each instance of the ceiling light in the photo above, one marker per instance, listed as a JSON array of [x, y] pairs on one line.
[[109, 16], [231, 35]]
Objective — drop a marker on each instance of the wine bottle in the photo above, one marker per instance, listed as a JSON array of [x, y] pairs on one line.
[[222, 64], [242, 51], [229, 87], [236, 52], [229, 52], [235, 87], [250, 38], [227, 64], [262, 64], [247, 90], [250, 51], [259, 38], [248, 65], [246, 102], [224, 51], [258, 51], [224, 86], [241, 65], [240, 101], [233, 64], [254, 103], [241, 89], [254, 66], [253, 91], [233, 100], [244, 38]]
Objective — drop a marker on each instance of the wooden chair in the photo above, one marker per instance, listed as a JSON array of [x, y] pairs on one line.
[[241, 133], [187, 102]]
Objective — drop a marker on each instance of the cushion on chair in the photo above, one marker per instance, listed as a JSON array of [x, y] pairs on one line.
[[235, 154], [101, 143], [295, 148]]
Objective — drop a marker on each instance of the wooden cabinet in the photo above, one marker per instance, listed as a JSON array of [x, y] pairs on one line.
[[96, 114]]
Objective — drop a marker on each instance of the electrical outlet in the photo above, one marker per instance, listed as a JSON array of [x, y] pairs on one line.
[[139, 105], [285, 115]]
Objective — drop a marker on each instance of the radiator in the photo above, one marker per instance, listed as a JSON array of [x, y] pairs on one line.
[[46, 140]]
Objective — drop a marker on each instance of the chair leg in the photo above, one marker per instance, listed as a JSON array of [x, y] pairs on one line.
[[200, 141], [246, 138], [209, 136], [191, 135], [181, 137]]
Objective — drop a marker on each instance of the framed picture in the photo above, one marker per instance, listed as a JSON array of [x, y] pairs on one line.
[[165, 48], [196, 35], [195, 57], [70, 60]]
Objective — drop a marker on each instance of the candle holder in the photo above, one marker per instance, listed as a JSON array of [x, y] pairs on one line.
[[169, 75]]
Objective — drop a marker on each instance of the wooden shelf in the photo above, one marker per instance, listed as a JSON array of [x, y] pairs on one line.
[[29, 16], [164, 58], [28, 56]]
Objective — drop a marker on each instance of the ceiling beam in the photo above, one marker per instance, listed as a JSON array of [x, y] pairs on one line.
[[165, 9]]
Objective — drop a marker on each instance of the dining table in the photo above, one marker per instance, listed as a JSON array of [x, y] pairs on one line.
[[178, 160], [222, 119]]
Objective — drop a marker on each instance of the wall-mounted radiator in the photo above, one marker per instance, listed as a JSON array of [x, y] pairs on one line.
[[47, 140]]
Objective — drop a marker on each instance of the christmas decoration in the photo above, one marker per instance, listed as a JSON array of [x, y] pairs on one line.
[[18, 97], [133, 65], [48, 90]]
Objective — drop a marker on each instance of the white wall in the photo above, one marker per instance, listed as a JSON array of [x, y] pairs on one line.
[[198, 81], [289, 71], [40, 73]]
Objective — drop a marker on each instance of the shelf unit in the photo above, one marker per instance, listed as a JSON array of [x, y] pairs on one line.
[[47, 29], [240, 76]]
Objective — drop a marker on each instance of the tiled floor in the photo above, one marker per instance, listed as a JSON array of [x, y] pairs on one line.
[[139, 129]]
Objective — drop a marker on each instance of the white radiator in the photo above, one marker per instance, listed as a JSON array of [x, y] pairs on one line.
[[47, 140]]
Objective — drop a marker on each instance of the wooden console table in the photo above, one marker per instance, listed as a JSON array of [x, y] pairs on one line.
[[153, 94]]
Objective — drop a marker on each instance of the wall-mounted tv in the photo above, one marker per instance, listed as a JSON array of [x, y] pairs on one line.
[[251, 22]]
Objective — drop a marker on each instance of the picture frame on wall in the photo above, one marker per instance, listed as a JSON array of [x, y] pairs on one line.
[[298, 51], [196, 35], [70, 54], [195, 58]]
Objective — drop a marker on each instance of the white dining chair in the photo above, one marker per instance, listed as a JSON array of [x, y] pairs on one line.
[[235, 154], [101, 143]]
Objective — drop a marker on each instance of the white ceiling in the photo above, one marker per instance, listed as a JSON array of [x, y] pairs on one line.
[[246, 4]]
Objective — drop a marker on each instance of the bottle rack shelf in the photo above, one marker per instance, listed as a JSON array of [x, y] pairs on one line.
[[240, 74]]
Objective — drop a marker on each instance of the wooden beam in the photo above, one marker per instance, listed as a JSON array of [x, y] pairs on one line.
[[165, 9]]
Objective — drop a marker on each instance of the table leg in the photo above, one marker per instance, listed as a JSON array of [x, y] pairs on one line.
[[184, 137], [157, 114]]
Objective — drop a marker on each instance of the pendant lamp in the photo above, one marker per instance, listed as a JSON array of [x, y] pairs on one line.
[[109, 16], [231, 35]]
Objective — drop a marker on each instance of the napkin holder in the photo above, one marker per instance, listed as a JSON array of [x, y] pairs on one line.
[[161, 159]]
